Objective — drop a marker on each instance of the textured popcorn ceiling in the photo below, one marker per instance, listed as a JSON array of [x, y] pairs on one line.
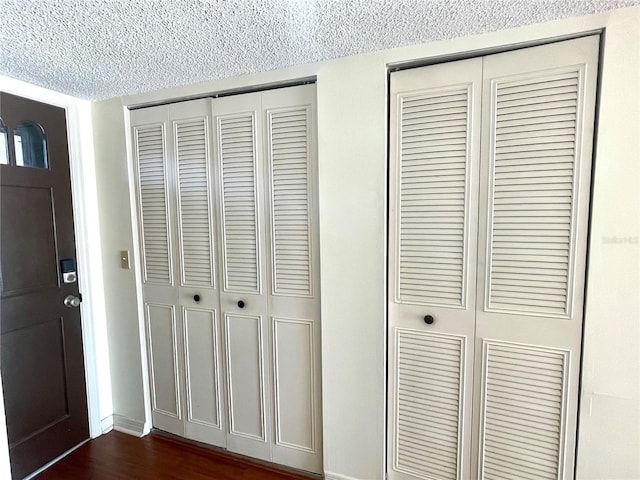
[[99, 49]]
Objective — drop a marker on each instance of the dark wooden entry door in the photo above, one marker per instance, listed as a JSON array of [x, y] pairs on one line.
[[41, 353]]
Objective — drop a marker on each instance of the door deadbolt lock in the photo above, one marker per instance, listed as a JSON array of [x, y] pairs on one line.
[[71, 301]]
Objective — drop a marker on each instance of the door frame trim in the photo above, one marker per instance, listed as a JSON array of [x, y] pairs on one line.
[[87, 235]]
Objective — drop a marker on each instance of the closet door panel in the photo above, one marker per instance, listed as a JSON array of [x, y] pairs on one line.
[[535, 180], [151, 151], [198, 297], [434, 154], [238, 151], [293, 286]]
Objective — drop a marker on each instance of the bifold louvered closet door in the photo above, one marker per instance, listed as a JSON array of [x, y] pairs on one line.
[[490, 162], [171, 151], [265, 155], [227, 224]]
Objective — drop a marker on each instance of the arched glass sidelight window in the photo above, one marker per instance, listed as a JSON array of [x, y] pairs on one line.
[[31, 145], [4, 144]]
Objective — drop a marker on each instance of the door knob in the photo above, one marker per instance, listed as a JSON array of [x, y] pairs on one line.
[[196, 298], [71, 301], [241, 303], [428, 319]]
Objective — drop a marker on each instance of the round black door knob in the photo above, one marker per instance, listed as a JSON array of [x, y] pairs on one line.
[[196, 297], [240, 303], [428, 319]]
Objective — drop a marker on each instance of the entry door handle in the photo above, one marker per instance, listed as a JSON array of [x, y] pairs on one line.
[[72, 301]]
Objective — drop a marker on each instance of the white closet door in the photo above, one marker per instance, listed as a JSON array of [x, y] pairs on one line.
[[198, 295], [536, 165], [434, 156], [237, 123], [172, 149], [152, 146], [293, 275]]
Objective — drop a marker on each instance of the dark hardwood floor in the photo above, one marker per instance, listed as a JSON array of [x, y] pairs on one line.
[[156, 456]]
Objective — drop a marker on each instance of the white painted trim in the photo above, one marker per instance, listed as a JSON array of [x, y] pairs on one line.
[[129, 426], [88, 246], [90, 273], [106, 424], [338, 476]]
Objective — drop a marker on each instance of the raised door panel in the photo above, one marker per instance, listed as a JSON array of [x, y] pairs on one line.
[[296, 394], [203, 387], [534, 209], [434, 158], [247, 385], [162, 350]]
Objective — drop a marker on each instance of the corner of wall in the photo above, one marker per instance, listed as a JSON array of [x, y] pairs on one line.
[[116, 234]]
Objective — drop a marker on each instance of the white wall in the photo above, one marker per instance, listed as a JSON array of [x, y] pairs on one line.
[[125, 346], [610, 417], [352, 183]]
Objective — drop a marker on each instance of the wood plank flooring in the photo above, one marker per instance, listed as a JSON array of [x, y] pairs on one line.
[[120, 456]]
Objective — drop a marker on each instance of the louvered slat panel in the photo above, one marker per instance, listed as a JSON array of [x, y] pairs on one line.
[[524, 393], [429, 379], [533, 181], [289, 151], [433, 176], [153, 204], [238, 157], [193, 185]]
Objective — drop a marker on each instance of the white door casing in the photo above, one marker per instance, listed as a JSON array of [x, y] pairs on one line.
[[526, 304]]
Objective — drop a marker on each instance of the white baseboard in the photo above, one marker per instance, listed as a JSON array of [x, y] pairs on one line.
[[128, 425], [338, 476], [106, 424]]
